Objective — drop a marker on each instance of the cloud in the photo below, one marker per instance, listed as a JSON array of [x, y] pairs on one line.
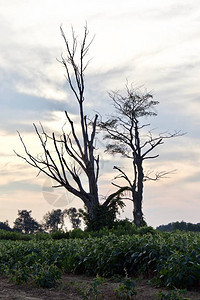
[[19, 111], [194, 178], [14, 186]]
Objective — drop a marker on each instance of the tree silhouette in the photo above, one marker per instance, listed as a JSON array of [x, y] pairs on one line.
[[5, 226], [73, 156], [128, 136], [53, 220], [25, 222], [74, 217]]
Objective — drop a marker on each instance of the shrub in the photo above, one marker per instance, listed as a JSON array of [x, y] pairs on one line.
[[46, 276], [181, 270], [58, 235], [78, 233], [14, 236]]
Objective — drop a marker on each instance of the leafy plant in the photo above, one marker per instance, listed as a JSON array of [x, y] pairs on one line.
[[126, 289], [46, 276], [181, 270], [13, 235], [92, 292], [20, 274], [59, 234]]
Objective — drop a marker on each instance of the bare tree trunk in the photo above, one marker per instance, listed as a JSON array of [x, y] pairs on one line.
[[91, 208], [137, 212], [137, 190]]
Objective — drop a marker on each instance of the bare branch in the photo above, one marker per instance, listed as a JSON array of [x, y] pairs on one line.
[[152, 146], [151, 157], [123, 175], [74, 134], [158, 175]]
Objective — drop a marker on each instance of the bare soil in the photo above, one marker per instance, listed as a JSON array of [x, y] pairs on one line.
[[73, 287]]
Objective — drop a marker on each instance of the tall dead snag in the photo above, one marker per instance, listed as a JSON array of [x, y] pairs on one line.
[[73, 153], [124, 131]]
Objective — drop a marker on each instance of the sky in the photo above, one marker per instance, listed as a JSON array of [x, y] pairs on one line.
[[154, 44]]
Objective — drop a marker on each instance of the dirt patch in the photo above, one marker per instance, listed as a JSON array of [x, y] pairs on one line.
[[73, 287]]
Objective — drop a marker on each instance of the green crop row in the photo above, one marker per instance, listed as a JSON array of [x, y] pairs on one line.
[[171, 259]]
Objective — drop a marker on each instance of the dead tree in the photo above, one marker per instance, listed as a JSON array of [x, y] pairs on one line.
[[124, 132], [73, 152]]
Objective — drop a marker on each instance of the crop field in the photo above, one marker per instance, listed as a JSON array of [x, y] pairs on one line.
[[169, 259]]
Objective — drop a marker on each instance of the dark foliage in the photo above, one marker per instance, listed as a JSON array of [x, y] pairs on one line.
[[5, 226], [74, 217], [54, 220], [25, 223], [105, 215], [182, 226]]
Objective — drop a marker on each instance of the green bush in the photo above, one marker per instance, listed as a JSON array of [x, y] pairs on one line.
[[121, 227], [19, 273], [78, 234], [126, 289], [41, 236], [58, 235], [46, 276], [181, 270], [13, 235]]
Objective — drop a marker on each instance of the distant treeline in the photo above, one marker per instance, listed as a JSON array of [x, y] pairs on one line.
[[182, 226], [54, 221]]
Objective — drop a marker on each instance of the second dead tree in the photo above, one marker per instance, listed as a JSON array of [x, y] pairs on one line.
[[124, 132]]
